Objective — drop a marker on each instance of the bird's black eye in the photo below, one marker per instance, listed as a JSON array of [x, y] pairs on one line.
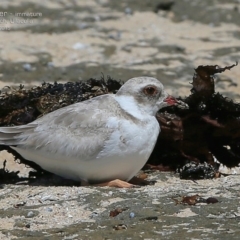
[[150, 90]]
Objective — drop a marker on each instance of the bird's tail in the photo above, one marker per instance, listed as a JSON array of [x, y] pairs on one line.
[[10, 135]]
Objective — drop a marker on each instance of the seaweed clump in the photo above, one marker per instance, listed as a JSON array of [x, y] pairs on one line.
[[21, 106], [209, 129]]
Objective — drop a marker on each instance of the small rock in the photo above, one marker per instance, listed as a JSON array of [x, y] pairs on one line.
[[50, 64], [48, 198], [131, 214], [116, 35], [27, 225], [49, 209], [128, 11], [30, 214], [93, 215], [122, 191], [27, 67], [79, 46]]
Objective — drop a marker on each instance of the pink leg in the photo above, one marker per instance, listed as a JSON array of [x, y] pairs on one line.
[[114, 183]]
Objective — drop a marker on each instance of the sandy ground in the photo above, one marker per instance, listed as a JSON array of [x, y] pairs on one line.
[[76, 40]]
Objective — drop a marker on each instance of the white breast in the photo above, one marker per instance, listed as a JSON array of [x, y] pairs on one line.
[[127, 150]]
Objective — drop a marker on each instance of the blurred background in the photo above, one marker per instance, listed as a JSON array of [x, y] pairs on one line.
[[70, 40]]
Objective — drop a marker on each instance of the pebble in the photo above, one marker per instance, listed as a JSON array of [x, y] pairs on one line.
[[48, 198], [27, 225], [128, 11], [122, 191], [27, 67], [78, 46], [93, 215], [30, 214], [116, 35], [131, 214], [49, 209], [50, 64], [44, 198]]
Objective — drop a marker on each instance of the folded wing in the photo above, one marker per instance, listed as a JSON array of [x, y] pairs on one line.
[[67, 131]]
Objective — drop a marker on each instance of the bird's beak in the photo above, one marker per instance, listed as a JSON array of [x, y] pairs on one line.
[[170, 100]]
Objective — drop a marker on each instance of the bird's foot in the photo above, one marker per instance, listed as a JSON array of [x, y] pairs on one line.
[[133, 183], [117, 183], [114, 183]]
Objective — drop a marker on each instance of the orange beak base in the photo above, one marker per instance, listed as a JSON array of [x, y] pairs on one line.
[[171, 100]]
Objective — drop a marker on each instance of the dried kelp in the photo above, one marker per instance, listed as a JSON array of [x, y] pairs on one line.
[[194, 199], [194, 170], [117, 211], [209, 128], [21, 106]]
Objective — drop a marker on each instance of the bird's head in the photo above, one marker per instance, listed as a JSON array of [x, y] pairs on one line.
[[147, 92]]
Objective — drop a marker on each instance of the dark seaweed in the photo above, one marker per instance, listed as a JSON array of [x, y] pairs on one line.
[[209, 128]]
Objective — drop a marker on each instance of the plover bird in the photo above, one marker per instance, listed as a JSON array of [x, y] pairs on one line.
[[99, 140]]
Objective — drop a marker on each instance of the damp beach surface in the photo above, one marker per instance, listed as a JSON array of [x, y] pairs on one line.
[[77, 40]]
